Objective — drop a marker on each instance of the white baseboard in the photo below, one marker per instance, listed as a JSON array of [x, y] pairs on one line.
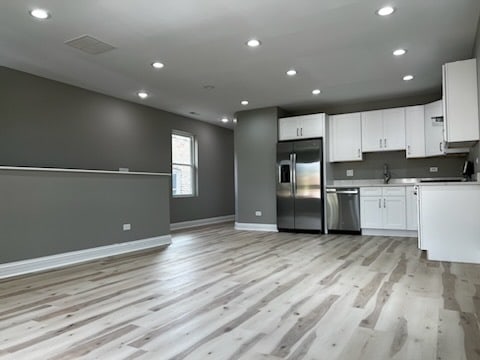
[[256, 227], [74, 257], [386, 232], [201, 222]]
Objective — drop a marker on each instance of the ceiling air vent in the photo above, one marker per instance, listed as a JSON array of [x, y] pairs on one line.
[[90, 45]]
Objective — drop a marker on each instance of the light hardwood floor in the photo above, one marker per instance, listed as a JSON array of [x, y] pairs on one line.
[[217, 293]]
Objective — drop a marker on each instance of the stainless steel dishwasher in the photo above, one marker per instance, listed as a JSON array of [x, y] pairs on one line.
[[343, 210]]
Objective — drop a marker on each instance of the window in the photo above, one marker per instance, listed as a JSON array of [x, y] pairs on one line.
[[184, 167]]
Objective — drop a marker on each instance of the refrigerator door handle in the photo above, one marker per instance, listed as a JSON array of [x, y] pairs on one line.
[[293, 160]]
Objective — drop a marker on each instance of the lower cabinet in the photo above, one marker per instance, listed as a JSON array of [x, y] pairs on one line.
[[412, 211], [383, 208]]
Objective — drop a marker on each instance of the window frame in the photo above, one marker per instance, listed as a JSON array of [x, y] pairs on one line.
[[193, 165]]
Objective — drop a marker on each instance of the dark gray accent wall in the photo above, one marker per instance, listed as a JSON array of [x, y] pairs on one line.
[[46, 213], [255, 156], [46, 123], [372, 166], [475, 152]]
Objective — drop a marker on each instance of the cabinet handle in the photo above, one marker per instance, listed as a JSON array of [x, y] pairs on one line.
[[297, 132], [379, 203], [385, 143], [380, 143], [408, 149], [441, 147], [384, 203], [301, 131], [359, 153]]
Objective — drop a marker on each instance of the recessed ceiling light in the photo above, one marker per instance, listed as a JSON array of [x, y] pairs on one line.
[[244, 102], [142, 94], [399, 52], [225, 120], [408, 77], [40, 14], [158, 65], [316, 92], [292, 72], [385, 11], [253, 43]]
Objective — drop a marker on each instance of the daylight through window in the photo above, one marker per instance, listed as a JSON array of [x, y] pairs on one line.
[[183, 164]]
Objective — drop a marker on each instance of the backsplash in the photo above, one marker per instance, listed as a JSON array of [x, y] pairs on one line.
[[372, 166]]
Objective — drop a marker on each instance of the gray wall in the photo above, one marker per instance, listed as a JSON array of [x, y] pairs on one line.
[[45, 123], [372, 166], [45, 213], [255, 158], [475, 152]]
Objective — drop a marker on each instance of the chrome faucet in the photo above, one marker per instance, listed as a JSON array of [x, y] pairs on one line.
[[386, 174]]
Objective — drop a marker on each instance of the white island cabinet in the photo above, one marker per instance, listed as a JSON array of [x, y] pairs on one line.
[[449, 225]]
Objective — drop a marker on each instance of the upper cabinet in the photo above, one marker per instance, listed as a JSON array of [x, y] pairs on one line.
[[415, 131], [345, 133], [383, 130], [460, 101], [434, 129], [301, 127]]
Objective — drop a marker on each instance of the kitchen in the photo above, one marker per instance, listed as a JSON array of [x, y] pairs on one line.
[[441, 132], [87, 159]]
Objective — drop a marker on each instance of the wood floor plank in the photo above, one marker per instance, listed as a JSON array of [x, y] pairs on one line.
[[219, 293]]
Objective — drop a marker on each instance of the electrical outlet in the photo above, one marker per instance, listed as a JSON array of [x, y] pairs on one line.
[[123, 169], [350, 172], [434, 169], [127, 227], [258, 213]]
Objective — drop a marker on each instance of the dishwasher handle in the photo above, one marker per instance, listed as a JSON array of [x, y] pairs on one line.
[[349, 192]]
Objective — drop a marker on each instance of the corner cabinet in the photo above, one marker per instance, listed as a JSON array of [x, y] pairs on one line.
[[383, 130], [434, 129], [460, 101], [345, 132], [301, 127], [415, 131]]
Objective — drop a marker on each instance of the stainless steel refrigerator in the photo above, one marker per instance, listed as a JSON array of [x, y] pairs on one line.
[[300, 185]]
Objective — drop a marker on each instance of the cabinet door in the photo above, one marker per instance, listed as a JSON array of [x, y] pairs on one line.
[[311, 126], [372, 131], [394, 129], [415, 131], [434, 129], [371, 212], [394, 213], [346, 137], [412, 212], [461, 101], [288, 128]]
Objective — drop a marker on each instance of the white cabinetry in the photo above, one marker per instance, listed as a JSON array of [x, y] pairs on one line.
[[412, 211], [460, 101], [383, 130], [415, 131], [301, 127], [383, 208], [345, 137], [434, 129]]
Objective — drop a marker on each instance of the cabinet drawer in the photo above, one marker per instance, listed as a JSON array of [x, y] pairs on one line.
[[371, 191], [394, 191]]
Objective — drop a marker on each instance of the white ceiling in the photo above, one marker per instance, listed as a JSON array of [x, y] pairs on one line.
[[339, 46]]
